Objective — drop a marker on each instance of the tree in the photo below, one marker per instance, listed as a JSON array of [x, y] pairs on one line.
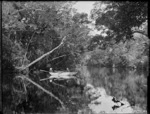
[[120, 17], [31, 31], [121, 21]]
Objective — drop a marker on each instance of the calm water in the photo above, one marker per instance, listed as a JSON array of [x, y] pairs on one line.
[[121, 83]]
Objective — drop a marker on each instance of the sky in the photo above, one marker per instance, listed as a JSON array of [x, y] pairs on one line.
[[85, 7]]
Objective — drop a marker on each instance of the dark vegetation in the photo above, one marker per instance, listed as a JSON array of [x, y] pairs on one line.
[[31, 29]]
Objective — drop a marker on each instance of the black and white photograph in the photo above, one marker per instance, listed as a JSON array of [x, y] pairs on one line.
[[74, 57]]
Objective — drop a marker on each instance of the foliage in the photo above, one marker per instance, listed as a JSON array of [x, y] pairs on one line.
[[120, 17], [29, 30], [128, 53], [126, 43], [137, 50]]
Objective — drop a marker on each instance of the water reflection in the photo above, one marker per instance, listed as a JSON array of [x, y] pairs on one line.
[[121, 83]]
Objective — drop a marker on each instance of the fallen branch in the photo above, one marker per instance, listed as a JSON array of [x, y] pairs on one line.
[[40, 87], [38, 59]]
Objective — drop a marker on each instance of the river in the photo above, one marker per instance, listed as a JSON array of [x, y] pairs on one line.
[[120, 83]]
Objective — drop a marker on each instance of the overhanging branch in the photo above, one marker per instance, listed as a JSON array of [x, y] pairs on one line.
[[41, 57]]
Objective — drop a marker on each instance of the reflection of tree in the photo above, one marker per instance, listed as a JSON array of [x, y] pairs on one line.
[[121, 84], [98, 76], [137, 88]]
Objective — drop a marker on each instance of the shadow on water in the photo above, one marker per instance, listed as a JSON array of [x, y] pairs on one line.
[[121, 83]]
